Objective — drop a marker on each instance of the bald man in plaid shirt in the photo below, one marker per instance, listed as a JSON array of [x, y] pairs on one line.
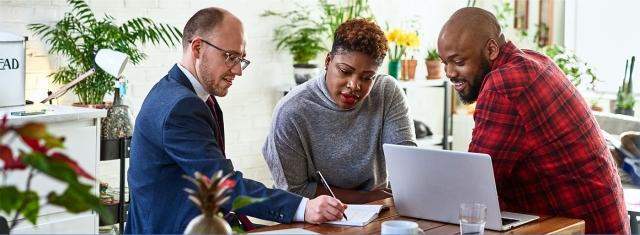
[[548, 153]]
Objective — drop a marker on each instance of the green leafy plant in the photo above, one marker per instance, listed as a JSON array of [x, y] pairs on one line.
[[306, 36], [43, 157], [570, 64], [540, 38], [79, 35], [300, 34], [593, 102], [432, 54], [210, 194], [504, 13], [335, 15], [625, 99], [575, 68], [471, 3]]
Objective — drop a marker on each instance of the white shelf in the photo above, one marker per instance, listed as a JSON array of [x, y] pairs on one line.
[[53, 113], [423, 83]]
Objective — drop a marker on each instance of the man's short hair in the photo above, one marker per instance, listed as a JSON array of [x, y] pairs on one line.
[[201, 23]]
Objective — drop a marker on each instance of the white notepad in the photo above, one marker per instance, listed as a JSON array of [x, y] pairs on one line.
[[359, 215]]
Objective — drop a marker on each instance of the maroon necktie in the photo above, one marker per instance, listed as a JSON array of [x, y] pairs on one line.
[[219, 125], [217, 121]]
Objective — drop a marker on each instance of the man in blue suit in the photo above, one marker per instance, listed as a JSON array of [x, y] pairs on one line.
[[179, 131]]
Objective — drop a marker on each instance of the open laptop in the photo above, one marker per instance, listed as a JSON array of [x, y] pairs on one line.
[[431, 184]]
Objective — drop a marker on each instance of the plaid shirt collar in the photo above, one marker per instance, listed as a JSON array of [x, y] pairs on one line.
[[506, 50]]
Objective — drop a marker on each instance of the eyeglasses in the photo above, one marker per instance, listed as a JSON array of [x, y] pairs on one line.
[[230, 58]]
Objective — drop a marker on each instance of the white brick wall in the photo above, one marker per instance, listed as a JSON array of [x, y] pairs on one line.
[[249, 105]]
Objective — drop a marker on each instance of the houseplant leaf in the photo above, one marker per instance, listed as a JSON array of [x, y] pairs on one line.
[[76, 198], [78, 35], [10, 163], [26, 203], [10, 198], [30, 206], [242, 201]]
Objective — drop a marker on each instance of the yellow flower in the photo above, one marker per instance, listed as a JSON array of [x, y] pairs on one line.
[[402, 40], [399, 41], [393, 35], [412, 40]]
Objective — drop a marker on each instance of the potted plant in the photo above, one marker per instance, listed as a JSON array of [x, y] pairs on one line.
[[625, 100], [408, 68], [434, 65], [306, 37], [399, 41], [334, 15], [594, 104], [209, 195], [42, 157], [79, 34], [409, 63], [303, 37], [570, 64]]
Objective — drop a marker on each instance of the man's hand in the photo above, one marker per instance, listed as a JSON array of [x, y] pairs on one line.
[[322, 209]]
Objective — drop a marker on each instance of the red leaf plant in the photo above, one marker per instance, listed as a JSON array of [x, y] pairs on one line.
[[41, 157]]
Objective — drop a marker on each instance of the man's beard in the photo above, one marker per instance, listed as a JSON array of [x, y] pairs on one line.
[[474, 89], [210, 83]]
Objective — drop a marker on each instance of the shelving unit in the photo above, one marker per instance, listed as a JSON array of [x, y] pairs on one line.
[[446, 139], [111, 150]]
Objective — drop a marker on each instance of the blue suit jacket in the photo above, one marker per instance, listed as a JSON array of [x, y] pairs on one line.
[[174, 136]]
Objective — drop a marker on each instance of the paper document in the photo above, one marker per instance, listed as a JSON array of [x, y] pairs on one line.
[[359, 215]]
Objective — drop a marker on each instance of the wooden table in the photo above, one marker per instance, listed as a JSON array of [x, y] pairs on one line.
[[544, 225]]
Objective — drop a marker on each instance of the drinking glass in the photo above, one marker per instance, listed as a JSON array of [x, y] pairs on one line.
[[472, 218]]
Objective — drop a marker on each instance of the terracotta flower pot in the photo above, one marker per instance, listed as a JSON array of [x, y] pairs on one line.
[[104, 105], [409, 69], [434, 69]]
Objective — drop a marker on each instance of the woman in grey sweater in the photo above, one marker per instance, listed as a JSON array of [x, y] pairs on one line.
[[337, 123]]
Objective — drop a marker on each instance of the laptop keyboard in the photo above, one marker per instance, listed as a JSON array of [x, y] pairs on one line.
[[507, 221]]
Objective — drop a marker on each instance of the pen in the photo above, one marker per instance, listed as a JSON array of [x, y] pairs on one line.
[[387, 192], [326, 185]]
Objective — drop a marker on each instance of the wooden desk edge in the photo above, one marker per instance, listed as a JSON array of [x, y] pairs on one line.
[[576, 228], [567, 225]]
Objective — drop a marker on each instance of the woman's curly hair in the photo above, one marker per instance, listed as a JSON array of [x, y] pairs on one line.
[[360, 35]]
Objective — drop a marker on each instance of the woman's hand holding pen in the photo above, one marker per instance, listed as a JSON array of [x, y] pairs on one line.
[[323, 209]]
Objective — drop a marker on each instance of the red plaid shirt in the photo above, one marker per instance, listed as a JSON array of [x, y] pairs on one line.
[[548, 154]]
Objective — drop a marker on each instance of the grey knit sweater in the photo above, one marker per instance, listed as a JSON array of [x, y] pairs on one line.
[[310, 132]]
